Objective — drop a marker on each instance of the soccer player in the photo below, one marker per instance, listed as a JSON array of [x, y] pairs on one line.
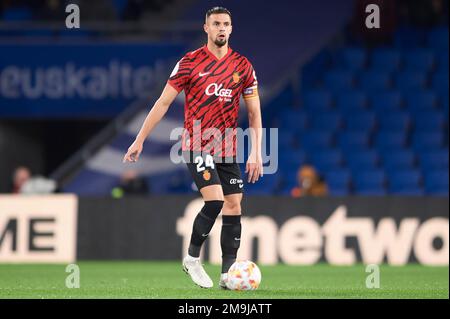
[[213, 77]]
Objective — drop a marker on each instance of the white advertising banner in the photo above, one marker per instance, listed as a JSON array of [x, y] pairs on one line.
[[38, 229]]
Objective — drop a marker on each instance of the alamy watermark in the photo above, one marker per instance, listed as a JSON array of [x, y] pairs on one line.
[[73, 279], [223, 145], [373, 279]]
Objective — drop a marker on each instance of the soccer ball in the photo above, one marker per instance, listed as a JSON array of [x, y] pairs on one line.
[[243, 275]]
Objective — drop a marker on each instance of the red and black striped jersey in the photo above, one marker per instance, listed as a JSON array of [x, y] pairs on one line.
[[213, 89]]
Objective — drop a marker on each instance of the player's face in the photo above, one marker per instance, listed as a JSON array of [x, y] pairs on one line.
[[218, 27]]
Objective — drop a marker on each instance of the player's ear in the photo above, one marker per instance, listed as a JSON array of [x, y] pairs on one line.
[[205, 27]]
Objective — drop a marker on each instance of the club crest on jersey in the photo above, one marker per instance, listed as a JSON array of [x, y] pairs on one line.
[[214, 89], [236, 77], [206, 175]]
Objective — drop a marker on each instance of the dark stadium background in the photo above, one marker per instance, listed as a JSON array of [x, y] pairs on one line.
[[367, 108]]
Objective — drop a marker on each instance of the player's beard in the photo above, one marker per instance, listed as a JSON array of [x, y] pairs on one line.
[[220, 43]]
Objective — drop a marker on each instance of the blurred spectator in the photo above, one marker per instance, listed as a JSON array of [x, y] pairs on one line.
[[130, 184], [310, 183], [21, 175]]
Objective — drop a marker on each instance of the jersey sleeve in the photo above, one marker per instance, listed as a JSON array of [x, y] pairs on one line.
[[250, 89], [180, 75]]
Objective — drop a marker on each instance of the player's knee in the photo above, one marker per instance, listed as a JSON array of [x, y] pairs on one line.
[[232, 207], [212, 208]]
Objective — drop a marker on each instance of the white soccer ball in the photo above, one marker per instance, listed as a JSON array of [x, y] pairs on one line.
[[243, 275]]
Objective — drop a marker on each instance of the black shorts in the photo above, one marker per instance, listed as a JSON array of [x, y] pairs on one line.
[[207, 170]]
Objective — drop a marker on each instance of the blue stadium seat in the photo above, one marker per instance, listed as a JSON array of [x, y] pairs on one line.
[[442, 61], [17, 14], [434, 160], [410, 80], [352, 101], [362, 160], [419, 60], [330, 121], [398, 160], [421, 101], [437, 38], [390, 140], [338, 181], [425, 141], [327, 159], [291, 119], [374, 81], [318, 99], [394, 121], [352, 58], [286, 139], [408, 37], [316, 140], [353, 140], [338, 80], [404, 179], [370, 182], [436, 182], [440, 83], [291, 160], [386, 101], [360, 121], [429, 121], [386, 60]]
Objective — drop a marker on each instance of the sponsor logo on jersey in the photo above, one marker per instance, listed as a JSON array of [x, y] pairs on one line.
[[214, 89], [206, 175]]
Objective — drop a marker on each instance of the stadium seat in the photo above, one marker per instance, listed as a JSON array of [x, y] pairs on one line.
[[339, 80], [442, 61], [410, 80], [437, 38], [370, 182], [352, 58], [353, 140], [421, 101], [286, 139], [316, 140], [330, 121], [351, 101], [362, 160], [434, 160], [429, 121], [291, 159], [419, 60], [408, 37], [404, 179], [386, 101], [398, 160], [327, 159], [360, 121], [374, 81], [16, 14], [385, 60], [338, 181], [425, 141], [390, 140], [395, 121], [318, 100], [440, 83], [297, 120], [436, 182]]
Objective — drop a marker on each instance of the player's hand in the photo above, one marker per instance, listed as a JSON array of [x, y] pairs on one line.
[[133, 152], [254, 167]]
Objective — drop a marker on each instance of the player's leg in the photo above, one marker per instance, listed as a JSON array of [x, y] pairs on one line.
[[230, 237], [208, 182]]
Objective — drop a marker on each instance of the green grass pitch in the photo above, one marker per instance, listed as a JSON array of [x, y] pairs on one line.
[[167, 280]]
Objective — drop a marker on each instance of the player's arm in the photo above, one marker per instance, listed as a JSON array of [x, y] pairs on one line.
[[155, 115], [254, 167]]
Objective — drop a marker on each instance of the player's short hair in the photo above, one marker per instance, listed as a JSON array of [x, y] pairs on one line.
[[217, 10]]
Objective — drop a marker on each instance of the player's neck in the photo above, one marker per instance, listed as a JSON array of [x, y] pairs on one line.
[[218, 52]]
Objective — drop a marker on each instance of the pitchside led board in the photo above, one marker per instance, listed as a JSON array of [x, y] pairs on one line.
[[80, 80], [38, 228], [340, 231]]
